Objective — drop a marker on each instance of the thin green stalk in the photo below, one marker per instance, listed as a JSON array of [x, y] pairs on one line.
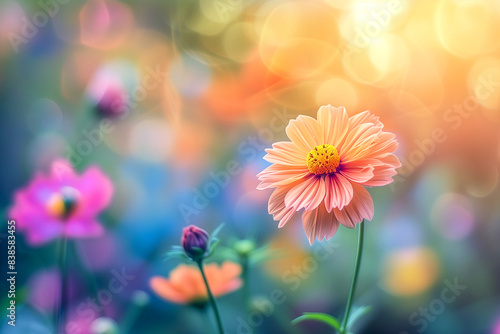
[[211, 298], [354, 277], [283, 318], [206, 319], [64, 284], [246, 282], [130, 317]]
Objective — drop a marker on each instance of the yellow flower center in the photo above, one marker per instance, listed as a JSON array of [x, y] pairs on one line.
[[63, 203], [55, 205], [323, 159]]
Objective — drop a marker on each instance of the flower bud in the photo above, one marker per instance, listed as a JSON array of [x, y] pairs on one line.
[[244, 247], [111, 104], [195, 242]]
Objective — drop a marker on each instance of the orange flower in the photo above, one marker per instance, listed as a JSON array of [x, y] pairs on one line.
[[325, 168], [185, 284]]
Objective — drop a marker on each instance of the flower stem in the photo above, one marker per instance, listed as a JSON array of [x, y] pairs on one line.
[[246, 283], [211, 298], [357, 265], [130, 317], [63, 274]]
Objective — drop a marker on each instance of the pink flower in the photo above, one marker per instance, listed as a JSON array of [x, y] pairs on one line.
[[325, 168], [62, 203], [112, 102]]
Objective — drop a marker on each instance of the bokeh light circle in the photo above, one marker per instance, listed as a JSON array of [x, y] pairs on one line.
[[482, 81], [411, 271], [339, 91], [190, 76], [151, 140], [467, 28], [452, 216]]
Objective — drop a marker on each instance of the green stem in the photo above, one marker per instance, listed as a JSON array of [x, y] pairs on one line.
[[59, 323], [283, 318], [129, 318], [354, 277], [246, 283], [211, 298]]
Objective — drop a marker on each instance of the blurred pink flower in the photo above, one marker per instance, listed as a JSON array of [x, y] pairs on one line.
[[496, 329], [45, 290], [325, 167], [61, 203], [112, 103]]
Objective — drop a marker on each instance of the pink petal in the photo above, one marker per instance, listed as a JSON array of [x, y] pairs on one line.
[[383, 176], [335, 123], [305, 132], [383, 145], [277, 205], [285, 216], [360, 207], [27, 210], [279, 175], [286, 153], [391, 160], [339, 192], [319, 224], [81, 227], [62, 170], [307, 194], [383, 173], [32, 218], [96, 191], [40, 189], [364, 117], [359, 171], [45, 232], [358, 141]]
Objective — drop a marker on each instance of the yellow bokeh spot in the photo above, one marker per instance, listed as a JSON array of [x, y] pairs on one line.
[[482, 82], [467, 28], [298, 39], [323, 159], [411, 272], [340, 90], [238, 42]]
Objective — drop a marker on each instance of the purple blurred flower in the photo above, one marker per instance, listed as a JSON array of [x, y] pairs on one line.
[[45, 290], [62, 203], [194, 241]]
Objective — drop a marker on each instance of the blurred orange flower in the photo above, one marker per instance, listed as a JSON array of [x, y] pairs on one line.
[[325, 168], [185, 284]]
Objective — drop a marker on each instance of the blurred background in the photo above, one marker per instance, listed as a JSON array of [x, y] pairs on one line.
[[169, 98]]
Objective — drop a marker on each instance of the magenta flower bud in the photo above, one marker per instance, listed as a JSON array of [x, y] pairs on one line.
[[111, 103], [195, 242]]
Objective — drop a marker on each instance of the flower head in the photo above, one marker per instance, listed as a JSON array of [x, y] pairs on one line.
[[195, 241], [61, 203], [325, 168], [185, 284], [111, 102]]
